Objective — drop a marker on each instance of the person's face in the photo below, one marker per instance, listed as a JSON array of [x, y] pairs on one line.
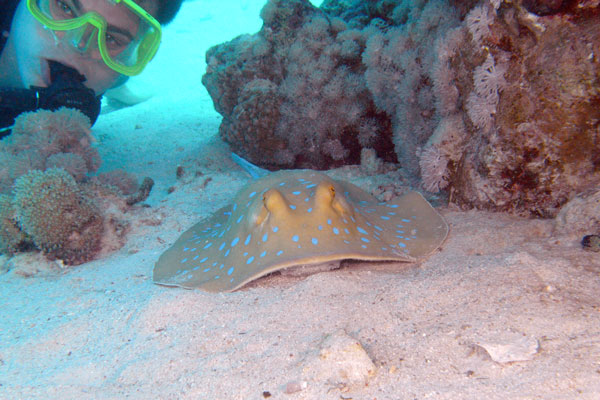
[[35, 44]]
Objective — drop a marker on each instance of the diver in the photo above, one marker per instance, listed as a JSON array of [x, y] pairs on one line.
[[56, 53]]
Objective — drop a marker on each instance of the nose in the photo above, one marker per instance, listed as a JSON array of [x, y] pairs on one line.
[[83, 41]]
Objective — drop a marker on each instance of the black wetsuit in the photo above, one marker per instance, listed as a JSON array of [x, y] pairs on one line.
[[66, 90]]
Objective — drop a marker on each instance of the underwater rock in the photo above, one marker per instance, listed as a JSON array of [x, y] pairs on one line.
[[495, 104], [294, 94], [341, 361], [60, 217], [515, 349], [580, 215], [591, 243], [11, 236], [530, 137], [546, 7]]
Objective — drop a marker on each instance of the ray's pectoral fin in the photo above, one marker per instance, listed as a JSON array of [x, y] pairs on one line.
[[422, 223]]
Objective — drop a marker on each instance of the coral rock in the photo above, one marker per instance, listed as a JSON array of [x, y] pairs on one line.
[[294, 94], [60, 218]]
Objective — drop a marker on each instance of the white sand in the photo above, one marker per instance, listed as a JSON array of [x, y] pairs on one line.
[[500, 286]]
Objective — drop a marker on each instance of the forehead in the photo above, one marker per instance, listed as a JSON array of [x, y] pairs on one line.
[[151, 6], [108, 6]]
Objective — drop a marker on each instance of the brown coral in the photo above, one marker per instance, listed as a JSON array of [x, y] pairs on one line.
[[46, 139], [544, 144], [294, 94], [60, 217]]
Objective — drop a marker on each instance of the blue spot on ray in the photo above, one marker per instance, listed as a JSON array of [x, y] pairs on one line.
[[247, 241], [295, 238], [315, 241], [230, 271], [235, 241]]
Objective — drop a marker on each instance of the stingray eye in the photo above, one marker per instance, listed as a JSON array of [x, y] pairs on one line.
[[273, 200], [324, 193]]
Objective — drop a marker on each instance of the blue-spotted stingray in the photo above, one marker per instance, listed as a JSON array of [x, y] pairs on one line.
[[297, 217]]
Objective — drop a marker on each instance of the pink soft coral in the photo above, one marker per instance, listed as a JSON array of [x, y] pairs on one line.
[[37, 140]]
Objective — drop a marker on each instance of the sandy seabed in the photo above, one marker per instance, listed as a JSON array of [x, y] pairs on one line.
[[507, 308]]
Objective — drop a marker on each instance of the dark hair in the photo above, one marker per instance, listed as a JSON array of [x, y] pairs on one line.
[[167, 9]]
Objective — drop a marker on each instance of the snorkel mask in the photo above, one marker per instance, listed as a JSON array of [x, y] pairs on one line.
[[127, 52]]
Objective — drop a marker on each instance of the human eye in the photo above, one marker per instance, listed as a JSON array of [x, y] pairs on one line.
[[63, 10], [116, 42]]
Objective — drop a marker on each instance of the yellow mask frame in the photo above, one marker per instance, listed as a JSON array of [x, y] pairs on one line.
[[146, 45]]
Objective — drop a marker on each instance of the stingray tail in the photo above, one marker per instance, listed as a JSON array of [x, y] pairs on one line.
[[253, 170]]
